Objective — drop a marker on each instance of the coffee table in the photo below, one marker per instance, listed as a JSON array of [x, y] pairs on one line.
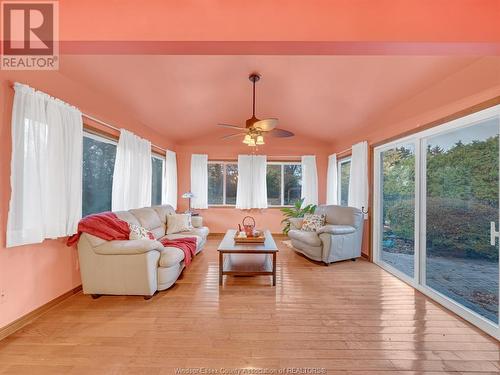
[[247, 259]]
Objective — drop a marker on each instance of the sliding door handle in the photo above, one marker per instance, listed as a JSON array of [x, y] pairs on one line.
[[493, 233]]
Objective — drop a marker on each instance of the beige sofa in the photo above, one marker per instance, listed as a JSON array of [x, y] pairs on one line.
[[135, 267], [339, 239]]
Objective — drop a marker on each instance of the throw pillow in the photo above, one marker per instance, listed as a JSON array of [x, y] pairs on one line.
[[178, 223], [139, 233], [313, 222]]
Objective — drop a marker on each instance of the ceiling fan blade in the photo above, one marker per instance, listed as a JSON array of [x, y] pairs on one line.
[[280, 133], [231, 126], [267, 124], [233, 135]]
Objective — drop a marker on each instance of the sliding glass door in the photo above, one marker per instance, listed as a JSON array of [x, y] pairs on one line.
[[436, 214], [397, 189], [461, 201]]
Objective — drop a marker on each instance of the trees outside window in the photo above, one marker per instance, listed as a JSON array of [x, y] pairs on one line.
[[344, 170], [284, 181]]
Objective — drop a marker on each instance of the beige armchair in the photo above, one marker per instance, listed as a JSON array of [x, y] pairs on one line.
[[339, 239]]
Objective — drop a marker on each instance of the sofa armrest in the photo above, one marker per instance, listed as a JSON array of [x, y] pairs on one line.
[[197, 221], [127, 247], [336, 229], [296, 222]]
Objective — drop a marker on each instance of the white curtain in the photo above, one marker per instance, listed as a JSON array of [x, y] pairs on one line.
[[332, 180], [309, 180], [169, 195], [252, 186], [358, 178], [132, 173], [199, 181], [46, 168]]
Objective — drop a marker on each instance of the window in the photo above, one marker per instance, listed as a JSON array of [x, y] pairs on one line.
[[156, 180], [98, 165], [292, 177], [436, 210], [283, 183], [398, 207], [222, 183], [344, 170], [231, 182], [273, 182]]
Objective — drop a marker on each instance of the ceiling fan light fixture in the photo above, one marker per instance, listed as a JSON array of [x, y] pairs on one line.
[[256, 128], [247, 139]]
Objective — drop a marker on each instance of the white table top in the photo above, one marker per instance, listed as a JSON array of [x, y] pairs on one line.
[[227, 244]]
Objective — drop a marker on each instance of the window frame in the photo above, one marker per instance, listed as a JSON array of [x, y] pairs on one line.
[[340, 162], [98, 137]]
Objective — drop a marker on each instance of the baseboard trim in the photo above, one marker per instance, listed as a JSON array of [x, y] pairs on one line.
[[24, 320]]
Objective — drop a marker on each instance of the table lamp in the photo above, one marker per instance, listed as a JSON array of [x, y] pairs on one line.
[[188, 195]]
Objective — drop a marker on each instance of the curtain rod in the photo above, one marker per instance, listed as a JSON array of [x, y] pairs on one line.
[[103, 123], [115, 128], [234, 158]]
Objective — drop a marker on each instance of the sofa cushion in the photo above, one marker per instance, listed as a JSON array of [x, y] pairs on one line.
[[312, 222], [128, 217], [177, 223], [149, 219], [200, 232], [341, 215], [337, 229], [310, 238], [163, 211], [139, 233], [199, 241], [197, 221], [170, 256]]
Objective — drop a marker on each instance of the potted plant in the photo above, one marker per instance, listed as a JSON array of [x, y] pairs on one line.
[[296, 211]]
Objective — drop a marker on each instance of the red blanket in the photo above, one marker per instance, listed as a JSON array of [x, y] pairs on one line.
[[187, 245], [105, 225]]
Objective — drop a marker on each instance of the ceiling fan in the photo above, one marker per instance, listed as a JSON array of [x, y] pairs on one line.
[[255, 128]]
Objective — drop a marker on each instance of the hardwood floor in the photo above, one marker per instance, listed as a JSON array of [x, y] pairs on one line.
[[350, 317]]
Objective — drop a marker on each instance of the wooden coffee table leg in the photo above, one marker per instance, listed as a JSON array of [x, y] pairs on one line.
[[274, 269], [221, 266]]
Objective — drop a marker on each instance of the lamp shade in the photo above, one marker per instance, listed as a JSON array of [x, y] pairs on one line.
[[247, 139], [188, 195]]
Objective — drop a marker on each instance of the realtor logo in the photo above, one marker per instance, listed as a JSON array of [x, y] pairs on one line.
[[30, 39]]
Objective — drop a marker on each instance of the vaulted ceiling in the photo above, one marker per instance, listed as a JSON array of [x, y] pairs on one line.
[[322, 97]]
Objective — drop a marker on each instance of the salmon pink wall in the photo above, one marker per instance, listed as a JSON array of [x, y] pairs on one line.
[[319, 20], [32, 275], [219, 219]]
